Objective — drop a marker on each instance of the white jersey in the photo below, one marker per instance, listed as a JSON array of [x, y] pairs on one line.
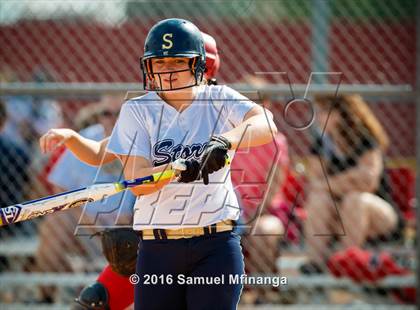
[[149, 127]]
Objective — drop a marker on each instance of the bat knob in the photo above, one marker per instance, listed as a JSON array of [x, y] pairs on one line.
[[227, 160]]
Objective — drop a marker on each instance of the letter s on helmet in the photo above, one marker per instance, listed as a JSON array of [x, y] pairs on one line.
[[173, 37]]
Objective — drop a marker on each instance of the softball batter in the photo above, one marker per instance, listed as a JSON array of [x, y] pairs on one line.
[[185, 229], [185, 226]]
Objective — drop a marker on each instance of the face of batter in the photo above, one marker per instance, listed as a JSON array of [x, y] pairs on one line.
[[172, 80]]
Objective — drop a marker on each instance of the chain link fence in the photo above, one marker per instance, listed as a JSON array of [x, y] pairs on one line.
[[69, 64]]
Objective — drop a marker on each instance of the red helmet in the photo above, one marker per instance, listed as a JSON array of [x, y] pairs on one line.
[[212, 56]]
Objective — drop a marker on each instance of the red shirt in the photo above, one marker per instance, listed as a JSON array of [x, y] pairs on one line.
[[253, 168]]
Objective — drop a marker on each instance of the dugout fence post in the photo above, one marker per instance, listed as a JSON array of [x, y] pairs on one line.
[[320, 45]]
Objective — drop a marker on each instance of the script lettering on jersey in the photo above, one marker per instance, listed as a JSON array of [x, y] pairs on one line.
[[166, 151], [169, 42]]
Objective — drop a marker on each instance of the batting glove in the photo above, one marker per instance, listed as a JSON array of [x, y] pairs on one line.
[[192, 171], [214, 156]]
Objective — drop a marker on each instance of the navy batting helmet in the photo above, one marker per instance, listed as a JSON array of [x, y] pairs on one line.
[[173, 37]]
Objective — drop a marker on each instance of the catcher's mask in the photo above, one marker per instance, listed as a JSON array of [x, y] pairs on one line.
[[173, 37]]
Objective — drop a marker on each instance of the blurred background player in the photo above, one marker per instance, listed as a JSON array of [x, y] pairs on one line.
[[14, 180], [69, 173], [258, 174], [352, 149], [14, 177], [212, 59], [31, 116]]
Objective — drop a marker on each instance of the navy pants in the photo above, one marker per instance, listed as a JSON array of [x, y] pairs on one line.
[[167, 267]]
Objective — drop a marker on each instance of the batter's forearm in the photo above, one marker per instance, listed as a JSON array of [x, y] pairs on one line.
[[89, 151], [257, 130], [147, 189], [131, 173]]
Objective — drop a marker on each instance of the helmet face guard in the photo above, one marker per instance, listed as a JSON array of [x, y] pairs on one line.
[[152, 81], [173, 38]]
